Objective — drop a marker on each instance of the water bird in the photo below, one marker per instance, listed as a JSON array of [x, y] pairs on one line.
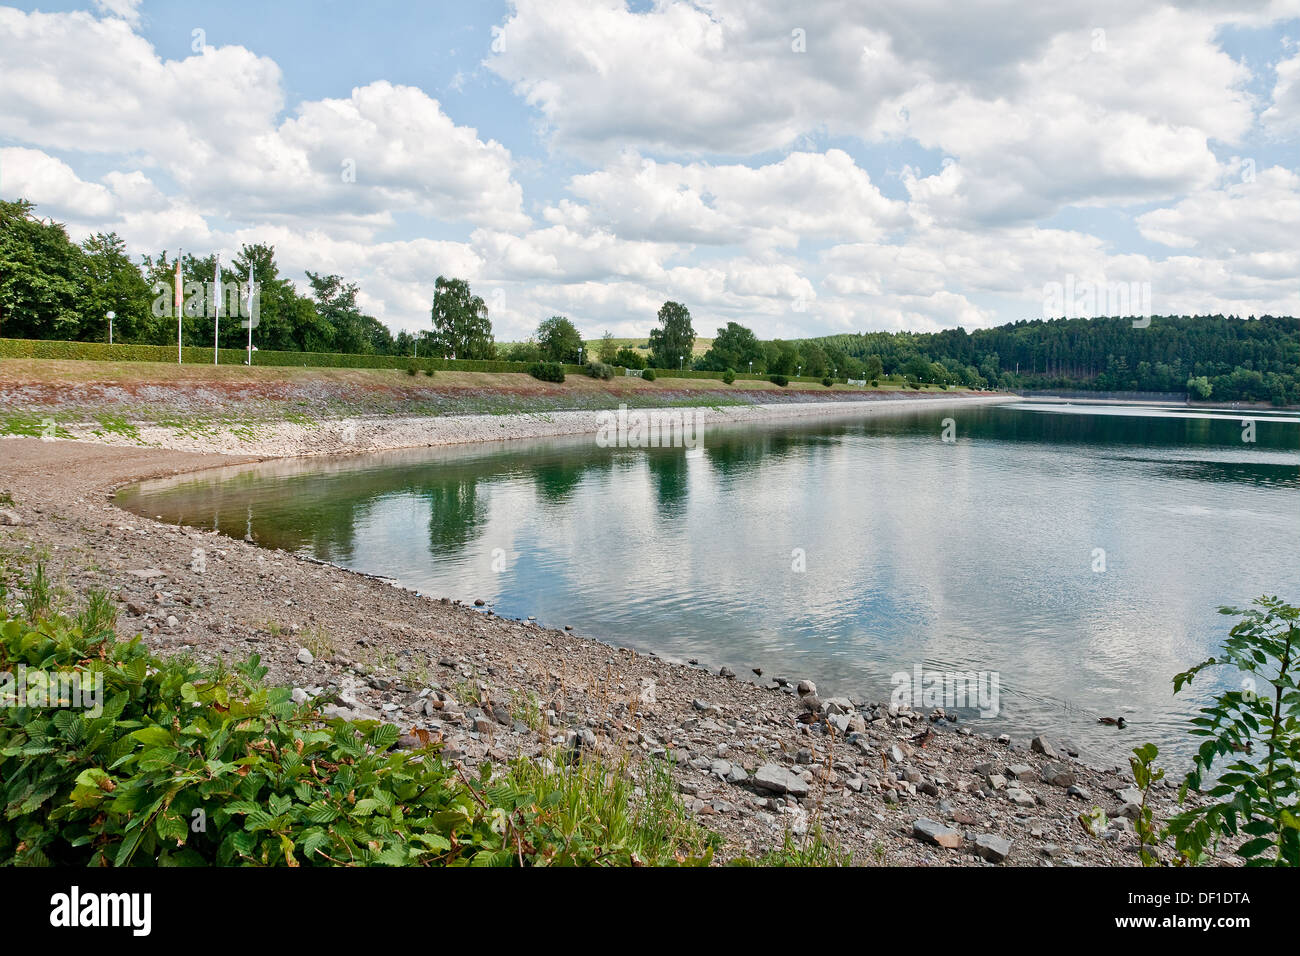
[[1119, 722]]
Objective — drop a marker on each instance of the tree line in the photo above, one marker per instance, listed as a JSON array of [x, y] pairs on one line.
[[53, 288]]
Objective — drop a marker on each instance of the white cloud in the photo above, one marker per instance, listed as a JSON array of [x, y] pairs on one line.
[[803, 196], [1282, 118], [211, 122]]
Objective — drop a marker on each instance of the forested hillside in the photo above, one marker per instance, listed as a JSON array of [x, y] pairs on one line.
[[1225, 358]]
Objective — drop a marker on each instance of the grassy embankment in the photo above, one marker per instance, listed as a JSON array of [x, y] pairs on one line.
[[121, 395]]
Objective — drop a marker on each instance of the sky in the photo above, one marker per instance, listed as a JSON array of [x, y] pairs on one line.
[[801, 169]]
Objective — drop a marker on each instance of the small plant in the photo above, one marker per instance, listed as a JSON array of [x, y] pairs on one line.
[[1255, 797], [317, 640], [1146, 774], [98, 616], [38, 596], [781, 380], [828, 381], [412, 369], [526, 709], [728, 377], [648, 375], [600, 370], [812, 849], [875, 383], [547, 371]]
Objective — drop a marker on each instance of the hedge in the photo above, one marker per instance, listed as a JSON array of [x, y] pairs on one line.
[[199, 355]]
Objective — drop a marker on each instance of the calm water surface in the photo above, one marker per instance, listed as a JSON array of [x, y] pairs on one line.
[[975, 555]]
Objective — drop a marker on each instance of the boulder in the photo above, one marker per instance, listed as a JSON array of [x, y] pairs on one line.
[[932, 831]]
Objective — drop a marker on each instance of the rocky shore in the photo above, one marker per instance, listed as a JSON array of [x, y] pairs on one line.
[[279, 438], [755, 755]]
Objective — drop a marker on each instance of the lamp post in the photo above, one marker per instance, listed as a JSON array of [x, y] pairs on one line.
[[110, 315], [751, 367], [579, 354]]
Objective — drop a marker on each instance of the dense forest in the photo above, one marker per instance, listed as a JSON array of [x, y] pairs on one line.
[[53, 288], [1219, 357]]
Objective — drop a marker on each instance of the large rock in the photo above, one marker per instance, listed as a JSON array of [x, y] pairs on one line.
[[8, 517], [778, 779], [1041, 745], [992, 847], [932, 831], [1021, 798], [1058, 775]]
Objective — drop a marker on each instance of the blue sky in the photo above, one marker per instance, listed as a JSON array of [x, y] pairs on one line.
[[912, 165]]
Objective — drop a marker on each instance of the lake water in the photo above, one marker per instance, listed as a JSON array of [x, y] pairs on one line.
[[1079, 552]]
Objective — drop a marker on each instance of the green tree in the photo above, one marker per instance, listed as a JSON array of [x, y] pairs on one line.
[[607, 351], [559, 339], [461, 327], [873, 369], [1199, 387], [734, 348], [673, 342], [336, 303], [41, 274], [112, 282]]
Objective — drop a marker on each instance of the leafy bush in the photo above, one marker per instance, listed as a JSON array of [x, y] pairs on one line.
[[629, 358], [728, 376], [1256, 797], [600, 370], [412, 368], [875, 383], [648, 375], [547, 371], [828, 381], [183, 765], [781, 380]]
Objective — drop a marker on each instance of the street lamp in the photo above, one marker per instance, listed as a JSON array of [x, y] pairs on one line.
[[751, 366], [579, 354], [110, 315]]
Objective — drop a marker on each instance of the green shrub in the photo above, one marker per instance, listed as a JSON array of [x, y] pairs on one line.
[[648, 375], [828, 381], [183, 765], [875, 383], [781, 380], [412, 369], [547, 371], [600, 370], [728, 376], [629, 358], [429, 372]]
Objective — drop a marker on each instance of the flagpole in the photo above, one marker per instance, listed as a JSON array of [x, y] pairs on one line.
[[216, 308], [252, 285], [179, 307]]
